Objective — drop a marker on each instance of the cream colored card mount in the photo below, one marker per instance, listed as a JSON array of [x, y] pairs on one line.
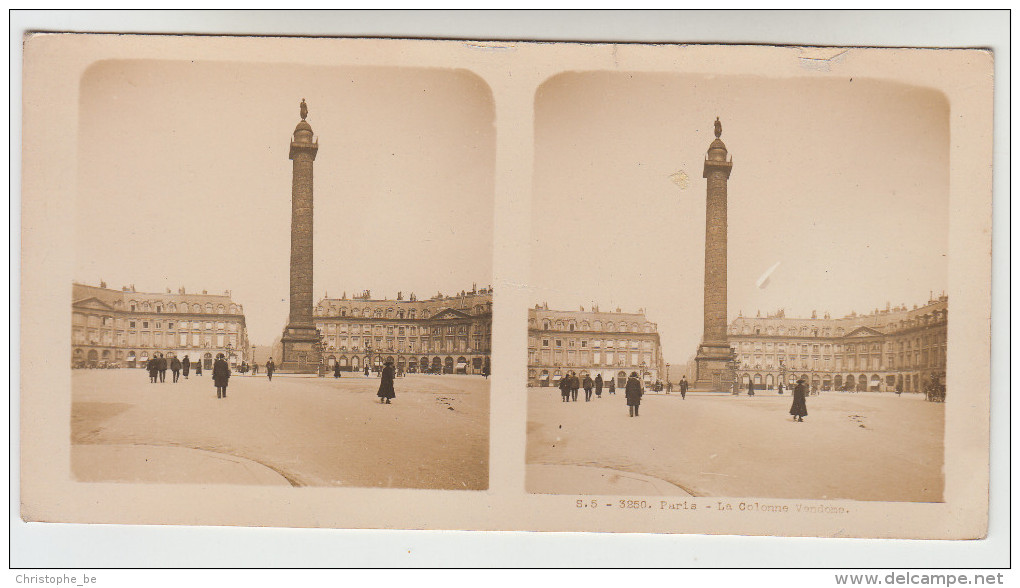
[[408, 284]]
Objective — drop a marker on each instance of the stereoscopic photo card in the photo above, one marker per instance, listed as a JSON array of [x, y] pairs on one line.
[[476, 285]]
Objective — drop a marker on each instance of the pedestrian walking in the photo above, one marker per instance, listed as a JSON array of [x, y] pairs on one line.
[[575, 385], [598, 386], [588, 383], [633, 393], [254, 368], [220, 375], [198, 368], [565, 387], [612, 386], [175, 367], [336, 369], [153, 366], [780, 388], [162, 365], [750, 388], [366, 369], [799, 407], [386, 392], [899, 388], [185, 366], [669, 387], [683, 388], [270, 368], [486, 369]]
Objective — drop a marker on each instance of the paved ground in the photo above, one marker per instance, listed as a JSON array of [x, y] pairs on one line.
[[865, 446], [309, 431], [566, 479]]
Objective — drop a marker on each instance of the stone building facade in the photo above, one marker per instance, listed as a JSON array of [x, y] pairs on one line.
[[881, 351], [591, 342], [443, 334], [124, 328]]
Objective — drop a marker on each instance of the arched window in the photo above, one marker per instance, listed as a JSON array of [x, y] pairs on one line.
[[611, 328], [220, 309], [389, 313], [171, 307], [233, 309], [546, 325], [208, 307], [598, 325]]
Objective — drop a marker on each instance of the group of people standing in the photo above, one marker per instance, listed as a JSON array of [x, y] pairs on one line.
[[158, 365], [571, 383]]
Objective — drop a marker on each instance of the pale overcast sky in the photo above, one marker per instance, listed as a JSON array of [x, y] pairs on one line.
[[184, 180], [844, 183]]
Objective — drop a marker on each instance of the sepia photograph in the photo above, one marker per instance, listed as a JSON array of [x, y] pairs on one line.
[[282, 275], [739, 287], [481, 285]]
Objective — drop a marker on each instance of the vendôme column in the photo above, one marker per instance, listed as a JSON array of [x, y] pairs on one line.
[[301, 353], [714, 353]]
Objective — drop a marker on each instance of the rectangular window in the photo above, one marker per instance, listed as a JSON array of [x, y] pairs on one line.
[[545, 342], [145, 324]]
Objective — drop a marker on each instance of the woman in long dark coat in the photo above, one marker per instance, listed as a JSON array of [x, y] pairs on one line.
[[565, 387], [799, 407], [386, 391], [633, 393], [185, 366], [612, 385], [153, 366], [220, 375], [598, 386], [198, 368], [336, 369]]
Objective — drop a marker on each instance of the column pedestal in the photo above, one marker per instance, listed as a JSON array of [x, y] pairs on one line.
[[301, 353], [714, 371]]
